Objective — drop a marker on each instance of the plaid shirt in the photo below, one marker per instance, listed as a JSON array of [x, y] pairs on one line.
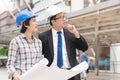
[[23, 54]]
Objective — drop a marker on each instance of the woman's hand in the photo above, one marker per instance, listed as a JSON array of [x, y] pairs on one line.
[[16, 76]]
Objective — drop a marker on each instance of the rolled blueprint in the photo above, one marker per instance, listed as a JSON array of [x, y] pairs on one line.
[[81, 67], [27, 75], [42, 72]]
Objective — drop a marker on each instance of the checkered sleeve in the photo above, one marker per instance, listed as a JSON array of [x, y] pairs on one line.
[[11, 58]]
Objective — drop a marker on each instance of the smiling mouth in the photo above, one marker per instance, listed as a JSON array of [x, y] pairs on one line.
[[65, 23]]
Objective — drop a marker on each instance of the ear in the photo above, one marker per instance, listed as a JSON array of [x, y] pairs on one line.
[[53, 21], [25, 25]]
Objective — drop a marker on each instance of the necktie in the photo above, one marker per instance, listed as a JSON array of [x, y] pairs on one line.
[[59, 51]]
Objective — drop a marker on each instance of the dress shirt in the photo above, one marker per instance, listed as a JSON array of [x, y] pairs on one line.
[[66, 63]]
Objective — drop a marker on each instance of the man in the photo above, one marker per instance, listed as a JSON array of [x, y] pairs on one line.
[[70, 38], [25, 50], [84, 57]]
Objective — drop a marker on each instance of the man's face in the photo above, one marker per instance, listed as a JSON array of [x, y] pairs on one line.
[[32, 25], [60, 20]]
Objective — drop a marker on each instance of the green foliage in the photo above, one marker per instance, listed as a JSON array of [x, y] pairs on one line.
[[4, 51]]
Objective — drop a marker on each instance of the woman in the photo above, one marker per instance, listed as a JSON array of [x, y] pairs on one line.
[[25, 50]]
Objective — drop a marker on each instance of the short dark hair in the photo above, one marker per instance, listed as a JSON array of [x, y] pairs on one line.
[[25, 23], [52, 18]]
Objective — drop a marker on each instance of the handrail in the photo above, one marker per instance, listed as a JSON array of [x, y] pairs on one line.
[[3, 57]]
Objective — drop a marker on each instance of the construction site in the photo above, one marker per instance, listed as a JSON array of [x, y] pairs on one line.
[[97, 20]]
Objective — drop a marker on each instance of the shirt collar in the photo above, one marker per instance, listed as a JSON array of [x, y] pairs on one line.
[[24, 37], [54, 31]]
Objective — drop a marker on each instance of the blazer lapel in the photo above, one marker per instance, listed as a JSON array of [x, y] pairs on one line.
[[50, 42], [67, 41]]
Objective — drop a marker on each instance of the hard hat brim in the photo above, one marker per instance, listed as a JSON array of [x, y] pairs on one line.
[[18, 24], [24, 15]]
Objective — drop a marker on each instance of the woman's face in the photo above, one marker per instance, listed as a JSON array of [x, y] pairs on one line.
[[32, 25]]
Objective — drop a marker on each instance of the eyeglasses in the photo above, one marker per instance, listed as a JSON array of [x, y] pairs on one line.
[[61, 17]]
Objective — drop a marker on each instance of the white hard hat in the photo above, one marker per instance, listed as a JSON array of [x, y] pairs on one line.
[[51, 11]]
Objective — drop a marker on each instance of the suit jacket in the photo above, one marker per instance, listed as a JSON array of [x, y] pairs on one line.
[[72, 44]]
